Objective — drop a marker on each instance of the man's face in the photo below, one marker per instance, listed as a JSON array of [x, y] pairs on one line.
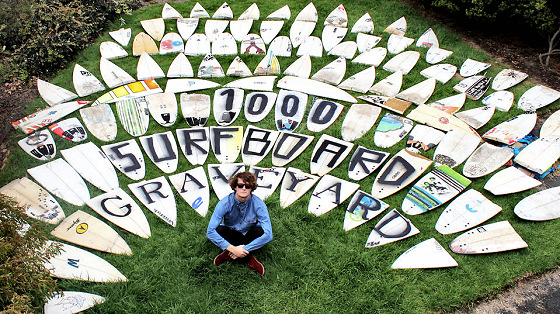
[[242, 190]]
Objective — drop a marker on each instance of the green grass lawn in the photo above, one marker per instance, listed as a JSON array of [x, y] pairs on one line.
[[312, 265]]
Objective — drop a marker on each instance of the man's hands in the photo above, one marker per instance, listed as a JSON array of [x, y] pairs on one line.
[[236, 252]]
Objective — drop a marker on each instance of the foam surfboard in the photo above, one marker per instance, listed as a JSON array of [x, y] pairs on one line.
[[127, 157], [169, 12], [397, 44], [163, 108], [180, 67], [283, 13], [78, 264], [512, 130], [323, 114], [346, 49], [366, 42], [360, 82], [252, 13], [551, 125], [294, 185], [92, 164], [257, 143], [224, 45], [113, 75], [541, 206], [281, 46], [122, 36], [359, 119], [330, 192], [85, 83], [199, 12], [502, 100], [131, 90], [472, 67], [337, 17], [372, 57], [288, 146], [268, 180], [53, 94], [495, 237], [260, 83], [212, 28], [507, 78], [193, 187], [468, 210], [186, 27], [147, 68], [474, 86], [476, 117], [144, 43], [197, 45], [227, 105], [486, 159], [537, 97], [389, 86], [422, 138], [154, 27], [224, 12], [361, 209], [450, 104], [437, 54], [300, 68], [39, 145], [238, 68], [71, 302], [269, 65], [210, 68], [311, 46], [540, 155], [309, 13], [441, 72], [398, 27], [299, 31], [403, 62], [439, 119], [290, 107], [363, 25], [332, 36], [364, 162], [171, 43], [391, 228], [195, 108], [269, 30], [427, 39], [226, 142], [157, 196], [252, 44], [434, 189], [36, 201], [194, 143], [240, 28], [112, 50], [219, 175], [418, 93], [161, 148], [258, 105], [134, 115], [455, 147], [181, 85], [510, 180], [328, 153], [316, 88], [401, 170], [83, 229], [391, 130], [426, 254]]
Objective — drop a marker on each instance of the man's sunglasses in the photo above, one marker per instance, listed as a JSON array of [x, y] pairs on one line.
[[241, 185]]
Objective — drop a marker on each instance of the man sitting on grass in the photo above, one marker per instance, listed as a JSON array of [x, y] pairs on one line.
[[240, 223]]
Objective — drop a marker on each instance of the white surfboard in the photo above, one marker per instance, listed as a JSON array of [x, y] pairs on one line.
[[315, 88], [53, 94], [157, 196], [441, 72], [78, 264], [112, 50], [144, 43], [163, 108], [238, 68], [134, 116], [510, 180], [428, 39], [269, 30], [226, 142], [85, 83], [212, 28], [36, 201], [210, 68], [346, 49], [476, 117], [391, 130], [259, 83], [507, 78], [269, 65], [195, 108], [438, 119], [366, 42], [541, 206], [486, 159], [252, 13], [309, 13], [127, 157], [194, 143], [436, 55], [180, 85], [323, 114], [154, 27], [92, 164], [224, 45], [468, 210], [224, 12], [299, 31], [551, 125], [169, 12], [391, 228], [113, 75], [397, 44], [268, 180], [419, 93], [474, 86], [389, 86], [495, 237], [252, 44], [281, 46], [422, 138], [257, 143], [147, 68], [288, 146], [398, 27], [128, 91], [197, 45], [501, 100], [301, 67], [294, 185], [311, 46], [171, 43], [331, 73], [161, 148], [100, 121], [83, 229], [289, 111], [537, 97], [540, 155], [186, 27], [455, 147], [361, 209], [363, 25], [219, 175], [330, 192], [122, 36], [71, 302], [39, 145], [472, 67], [227, 105], [240, 28], [199, 12], [359, 119], [403, 62], [364, 161], [258, 105], [450, 104], [512, 130], [337, 17], [426, 254], [328, 153], [332, 36], [193, 187], [283, 13]]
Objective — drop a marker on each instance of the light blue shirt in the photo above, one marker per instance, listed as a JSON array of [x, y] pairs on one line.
[[240, 217]]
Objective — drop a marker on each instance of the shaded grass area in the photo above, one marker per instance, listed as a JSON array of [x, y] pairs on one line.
[[312, 265]]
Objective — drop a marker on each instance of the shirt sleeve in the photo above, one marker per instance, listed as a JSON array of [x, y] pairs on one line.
[[264, 222], [215, 221]]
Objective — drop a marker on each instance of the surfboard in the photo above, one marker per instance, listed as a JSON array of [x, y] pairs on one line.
[[537, 97], [337, 17], [258, 105], [180, 85], [258, 83], [315, 88], [224, 45], [161, 148], [227, 105], [301, 67], [418, 93], [100, 121], [169, 12], [78, 264], [294, 185], [510, 180], [311, 46], [501, 100], [71, 302], [391, 228], [450, 104], [364, 161], [541, 206], [507, 78], [252, 44], [359, 119], [240, 28], [396, 105], [434, 189], [332, 36], [439, 119], [199, 12], [426, 254], [224, 12], [346, 49], [288, 146], [436, 55], [226, 142], [53, 94], [219, 175], [171, 43], [257, 143], [551, 125], [83, 229], [269, 65], [36, 201], [131, 90], [193, 187], [154, 27], [283, 13], [59, 178], [268, 180], [122, 36], [331, 73], [397, 44], [428, 39], [403, 62], [468, 210], [210, 68], [113, 75], [127, 157], [398, 27], [512, 130], [39, 145], [194, 143], [389, 86], [486, 159], [540, 155], [472, 67], [366, 42], [400, 171], [252, 13], [163, 108], [238, 68], [476, 117], [363, 25], [361, 209], [112, 50], [134, 115], [391, 130], [289, 111], [269, 30], [143, 43], [328, 153], [197, 45], [147, 68], [330, 192], [212, 28], [309, 13], [422, 138], [186, 27], [92, 164], [195, 108], [157, 196], [85, 83], [281, 46], [300, 30], [474, 86], [455, 147], [323, 114], [495, 237]]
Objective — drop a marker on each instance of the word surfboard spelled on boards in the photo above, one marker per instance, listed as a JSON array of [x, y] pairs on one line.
[[157, 196], [426, 254], [328, 153], [70, 129], [290, 107], [510, 180], [361, 209], [288, 146], [194, 143], [219, 175], [294, 185], [226, 142], [495, 237], [127, 157], [71, 302], [268, 180], [323, 113], [391, 228], [257, 143], [330, 192], [193, 187], [161, 148], [540, 206], [227, 105], [39, 145], [258, 105], [364, 161]]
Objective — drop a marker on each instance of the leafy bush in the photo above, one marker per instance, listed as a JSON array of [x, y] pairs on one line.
[[24, 281]]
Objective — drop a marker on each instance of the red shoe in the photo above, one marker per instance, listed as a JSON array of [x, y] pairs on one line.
[[255, 265], [221, 258]]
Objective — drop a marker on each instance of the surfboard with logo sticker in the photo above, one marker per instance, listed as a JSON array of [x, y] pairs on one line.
[[192, 185], [361, 209], [39, 145], [391, 130]]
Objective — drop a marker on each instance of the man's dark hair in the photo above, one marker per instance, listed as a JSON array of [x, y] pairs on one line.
[[247, 177]]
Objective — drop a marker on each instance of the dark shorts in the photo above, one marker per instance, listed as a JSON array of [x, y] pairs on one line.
[[237, 238]]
